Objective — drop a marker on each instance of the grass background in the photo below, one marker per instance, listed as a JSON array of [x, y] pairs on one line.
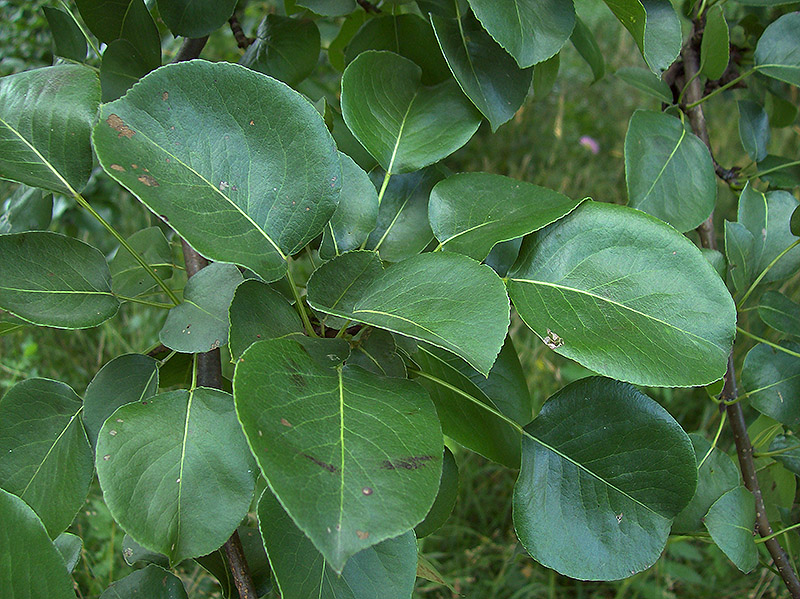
[[476, 551]]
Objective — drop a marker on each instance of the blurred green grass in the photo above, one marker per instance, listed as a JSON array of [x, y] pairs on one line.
[[476, 551]]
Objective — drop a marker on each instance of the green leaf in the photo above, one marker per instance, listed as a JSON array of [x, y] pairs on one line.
[[68, 37], [782, 112], [200, 323], [26, 209], [285, 48], [767, 217], [125, 379], [585, 43], [135, 554], [347, 31], [175, 471], [715, 47], [772, 381], [503, 256], [121, 19], [794, 222], [544, 76], [218, 565], [377, 352], [457, 398], [645, 81], [45, 143], [530, 31], [329, 8], [128, 278], [69, 546], [779, 312], [407, 35], [419, 297], [53, 280], [395, 116], [716, 475], [302, 571], [730, 521], [194, 170], [360, 465], [445, 499], [780, 172], [471, 212], [45, 457], [486, 73], [39, 566], [151, 582], [605, 469], [195, 18], [716, 259], [357, 214], [122, 66], [740, 251], [655, 28], [626, 295], [258, 312], [668, 170], [403, 229], [753, 129], [778, 51], [789, 446]]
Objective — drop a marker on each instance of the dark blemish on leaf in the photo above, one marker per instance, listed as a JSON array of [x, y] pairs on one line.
[[285, 422], [619, 518], [252, 123], [165, 96], [167, 160], [148, 180], [362, 535], [119, 126], [117, 167], [258, 336], [552, 340], [324, 465], [163, 217], [367, 491], [414, 462], [106, 457]]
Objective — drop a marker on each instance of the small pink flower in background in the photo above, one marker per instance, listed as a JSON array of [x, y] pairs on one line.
[[590, 144]]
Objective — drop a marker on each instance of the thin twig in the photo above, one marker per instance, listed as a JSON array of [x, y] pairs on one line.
[[238, 33], [368, 6]]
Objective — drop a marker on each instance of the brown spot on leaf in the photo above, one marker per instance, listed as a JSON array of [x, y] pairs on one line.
[[413, 462], [362, 535], [117, 167], [148, 180], [165, 96], [119, 126], [106, 457], [367, 490], [324, 465], [285, 422], [252, 123], [134, 166]]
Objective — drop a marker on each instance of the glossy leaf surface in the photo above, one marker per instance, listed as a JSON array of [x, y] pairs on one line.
[[195, 18], [152, 582], [655, 28], [645, 81], [668, 170], [779, 312], [604, 471], [753, 129], [445, 499], [625, 295], [285, 48], [175, 471], [302, 571], [788, 452], [730, 521], [128, 278], [69, 546], [772, 381], [531, 31], [195, 170], [46, 117], [41, 567], [471, 212], [45, 457], [200, 323], [585, 43], [778, 50], [358, 465], [715, 46], [740, 252], [487, 74], [396, 118], [377, 352], [430, 297], [69, 40], [27, 209]]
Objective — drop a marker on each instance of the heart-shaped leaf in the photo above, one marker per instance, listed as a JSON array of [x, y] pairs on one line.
[[531, 31], [41, 566], [200, 323], [668, 170], [471, 212], [45, 457], [196, 170], [359, 464], [625, 295], [730, 521], [778, 50], [53, 280], [46, 143], [302, 571], [175, 471], [654, 26], [772, 380], [605, 469], [402, 123], [487, 74], [419, 298]]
